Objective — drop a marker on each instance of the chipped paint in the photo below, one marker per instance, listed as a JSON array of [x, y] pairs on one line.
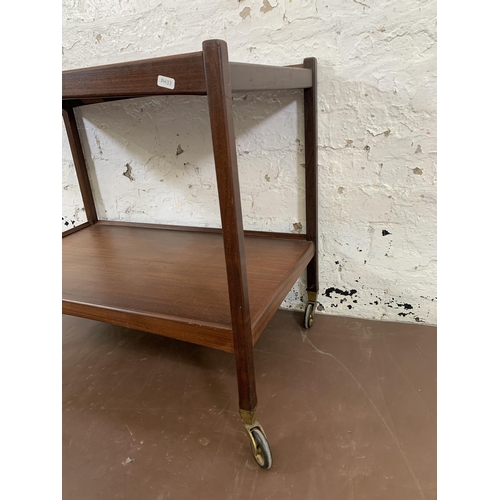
[[128, 172], [245, 13], [377, 136], [266, 7]]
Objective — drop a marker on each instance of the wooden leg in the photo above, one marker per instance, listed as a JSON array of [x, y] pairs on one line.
[[80, 167], [221, 121], [311, 157]]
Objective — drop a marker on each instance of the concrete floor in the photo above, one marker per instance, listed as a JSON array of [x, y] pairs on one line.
[[349, 408]]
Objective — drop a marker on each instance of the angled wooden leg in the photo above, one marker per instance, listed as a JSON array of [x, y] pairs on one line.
[[221, 120], [311, 157], [79, 161]]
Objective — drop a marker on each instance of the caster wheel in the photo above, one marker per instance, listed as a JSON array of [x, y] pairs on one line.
[[309, 315], [261, 449]]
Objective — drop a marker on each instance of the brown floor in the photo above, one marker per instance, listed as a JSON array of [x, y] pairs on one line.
[[349, 409]]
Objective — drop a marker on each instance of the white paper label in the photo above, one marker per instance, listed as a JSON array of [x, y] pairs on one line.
[[165, 81]]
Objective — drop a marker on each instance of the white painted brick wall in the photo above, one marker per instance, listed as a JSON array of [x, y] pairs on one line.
[[377, 135]]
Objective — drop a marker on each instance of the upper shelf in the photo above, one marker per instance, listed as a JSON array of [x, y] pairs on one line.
[[140, 78]]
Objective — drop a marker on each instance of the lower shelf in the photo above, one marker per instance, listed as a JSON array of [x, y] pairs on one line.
[[174, 282]]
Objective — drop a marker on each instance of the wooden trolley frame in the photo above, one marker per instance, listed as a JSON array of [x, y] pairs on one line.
[[214, 287]]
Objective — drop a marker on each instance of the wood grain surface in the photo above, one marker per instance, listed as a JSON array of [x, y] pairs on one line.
[[139, 78], [173, 276], [136, 78]]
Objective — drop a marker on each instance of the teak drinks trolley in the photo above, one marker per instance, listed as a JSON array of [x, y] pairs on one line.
[[214, 287]]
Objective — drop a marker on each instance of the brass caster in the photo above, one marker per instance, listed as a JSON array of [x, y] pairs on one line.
[[260, 446], [310, 309], [309, 315]]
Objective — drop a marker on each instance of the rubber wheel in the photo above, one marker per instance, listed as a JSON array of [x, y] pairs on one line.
[[308, 316], [263, 449]]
